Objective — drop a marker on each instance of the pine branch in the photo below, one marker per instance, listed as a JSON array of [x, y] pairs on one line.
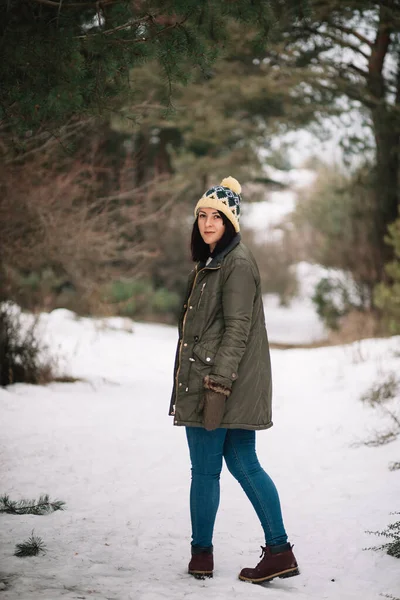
[[30, 507], [123, 27], [77, 4], [342, 43], [136, 22], [336, 39], [350, 31], [358, 70], [392, 532], [394, 466], [32, 547], [392, 415]]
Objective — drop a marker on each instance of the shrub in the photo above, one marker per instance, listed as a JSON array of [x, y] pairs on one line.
[[22, 355], [41, 288], [378, 396], [164, 301], [138, 299], [328, 306], [337, 220], [387, 295], [392, 533], [335, 297], [381, 391]]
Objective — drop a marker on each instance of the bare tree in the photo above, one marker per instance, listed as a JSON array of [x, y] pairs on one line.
[[56, 217]]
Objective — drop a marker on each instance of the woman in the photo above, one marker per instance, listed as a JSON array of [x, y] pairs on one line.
[[222, 383]]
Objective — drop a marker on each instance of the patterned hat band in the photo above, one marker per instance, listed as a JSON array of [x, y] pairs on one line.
[[225, 198]]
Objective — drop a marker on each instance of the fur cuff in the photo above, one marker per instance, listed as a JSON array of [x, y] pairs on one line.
[[209, 384]]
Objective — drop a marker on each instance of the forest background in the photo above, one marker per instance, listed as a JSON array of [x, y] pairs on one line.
[[116, 116]]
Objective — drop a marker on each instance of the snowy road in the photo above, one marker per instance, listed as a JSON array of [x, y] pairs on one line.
[[108, 449]]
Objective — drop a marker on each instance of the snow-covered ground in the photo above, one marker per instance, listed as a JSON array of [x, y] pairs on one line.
[[106, 447], [297, 323]]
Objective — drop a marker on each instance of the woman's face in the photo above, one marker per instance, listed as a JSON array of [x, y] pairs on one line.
[[211, 226]]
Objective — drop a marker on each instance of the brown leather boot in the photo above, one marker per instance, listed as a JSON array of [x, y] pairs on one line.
[[202, 562], [277, 561]]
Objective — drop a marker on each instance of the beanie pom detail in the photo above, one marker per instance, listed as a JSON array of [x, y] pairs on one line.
[[232, 184]]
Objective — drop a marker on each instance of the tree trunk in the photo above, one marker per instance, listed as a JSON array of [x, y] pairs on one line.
[[387, 138], [386, 133]]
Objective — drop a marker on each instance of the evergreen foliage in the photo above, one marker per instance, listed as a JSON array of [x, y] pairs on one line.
[[31, 547], [219, 123], [126, 61], [337, 218], [392, 533], [332, 301], [387, 295], [138, 299], [42, 506], [216, 126], [349, 46], [63, 59]]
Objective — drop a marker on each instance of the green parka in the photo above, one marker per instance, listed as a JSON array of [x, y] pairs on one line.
[[222, 334]]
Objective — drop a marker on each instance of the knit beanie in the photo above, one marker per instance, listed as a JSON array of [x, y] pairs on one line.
[[225, 198]]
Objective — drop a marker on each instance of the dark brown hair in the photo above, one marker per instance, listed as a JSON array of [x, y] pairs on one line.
[[200, 250]]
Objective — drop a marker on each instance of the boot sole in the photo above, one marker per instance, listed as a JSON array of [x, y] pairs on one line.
[[201, 574], [281, 575]]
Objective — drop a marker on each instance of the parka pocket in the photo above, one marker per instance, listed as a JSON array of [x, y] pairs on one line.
[[203, 361], [203, 354], [195, 367]]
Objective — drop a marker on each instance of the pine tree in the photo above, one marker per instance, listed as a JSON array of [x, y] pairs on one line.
[[67, 58], [354, 49]]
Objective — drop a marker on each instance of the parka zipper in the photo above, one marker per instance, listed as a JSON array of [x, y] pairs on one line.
[[183, 335], [183, 328], [201, 294]]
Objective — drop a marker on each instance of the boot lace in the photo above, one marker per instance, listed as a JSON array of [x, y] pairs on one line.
[[263, 551]]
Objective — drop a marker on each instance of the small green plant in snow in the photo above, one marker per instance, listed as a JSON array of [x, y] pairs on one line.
[[31, 547], [392, 533]]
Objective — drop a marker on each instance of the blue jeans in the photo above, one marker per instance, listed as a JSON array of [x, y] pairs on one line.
[[238, 447]]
